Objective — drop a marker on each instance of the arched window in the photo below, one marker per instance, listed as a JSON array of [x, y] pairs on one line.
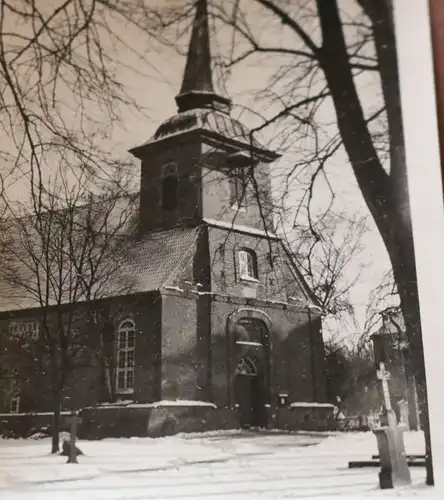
[[126, 349], [246, 366], [247, 264], [169, 192]]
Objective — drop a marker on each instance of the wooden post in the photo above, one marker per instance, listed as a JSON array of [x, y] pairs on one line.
[[74, 421]]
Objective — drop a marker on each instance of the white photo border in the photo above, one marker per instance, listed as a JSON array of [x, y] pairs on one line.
[[418, 100]]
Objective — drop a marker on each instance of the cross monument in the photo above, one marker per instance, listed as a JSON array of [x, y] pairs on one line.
[[384, 376], [394, 468]]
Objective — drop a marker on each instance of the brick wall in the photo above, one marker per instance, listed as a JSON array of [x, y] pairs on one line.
[[296, 362], [85, 385], [273, 278], [204, 186], [216, 197], [185, 152], [179, 348]]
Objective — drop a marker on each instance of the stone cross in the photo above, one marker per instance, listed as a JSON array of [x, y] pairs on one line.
[[384, 376], [74, 420]]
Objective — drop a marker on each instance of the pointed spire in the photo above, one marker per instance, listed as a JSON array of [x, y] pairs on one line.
[[197, 89]]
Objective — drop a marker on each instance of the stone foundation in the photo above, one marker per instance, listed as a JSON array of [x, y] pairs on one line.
[[166, 418], [150, 420], [24, 425]]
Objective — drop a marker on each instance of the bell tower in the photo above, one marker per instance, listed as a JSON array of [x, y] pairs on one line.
[[200, 163]]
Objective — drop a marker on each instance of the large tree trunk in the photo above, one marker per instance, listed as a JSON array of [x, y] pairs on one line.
[[403, 256], [408, 292], [385, 195]]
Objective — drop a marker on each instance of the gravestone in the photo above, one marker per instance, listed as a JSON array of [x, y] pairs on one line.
[[394, 468], [74, 420]]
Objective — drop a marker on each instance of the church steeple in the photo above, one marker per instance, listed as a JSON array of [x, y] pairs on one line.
[[197, 91]]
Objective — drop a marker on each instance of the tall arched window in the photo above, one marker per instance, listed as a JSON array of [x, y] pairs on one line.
[[126, 349], [169, 192], [247, 264]]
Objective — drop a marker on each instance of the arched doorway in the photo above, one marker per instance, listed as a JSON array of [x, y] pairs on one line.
[[248, 393], [248, 334]]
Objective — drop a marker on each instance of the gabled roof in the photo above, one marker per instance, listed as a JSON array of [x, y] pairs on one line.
[[155, 259]]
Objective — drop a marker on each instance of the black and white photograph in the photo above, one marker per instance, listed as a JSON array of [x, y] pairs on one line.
[[209, 275]]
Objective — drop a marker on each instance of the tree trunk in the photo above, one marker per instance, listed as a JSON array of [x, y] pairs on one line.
[[55, 441], [380, 14], [108, 391], [106, 359], [386, 195], [408, 292]]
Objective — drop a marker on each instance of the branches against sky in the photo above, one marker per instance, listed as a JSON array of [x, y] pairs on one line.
[[61, 94]]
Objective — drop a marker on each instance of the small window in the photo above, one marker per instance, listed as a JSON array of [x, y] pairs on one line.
[[25, 330], [169, 192], [126, 350], [247, 264], [14, 404], [238, 186], [169, 169]]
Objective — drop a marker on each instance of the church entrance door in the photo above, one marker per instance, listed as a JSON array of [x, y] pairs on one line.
[[248, 393]]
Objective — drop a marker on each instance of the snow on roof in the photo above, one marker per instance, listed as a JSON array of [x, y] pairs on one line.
[[208, 120], [145, 264], [241, 229], [156, 404]]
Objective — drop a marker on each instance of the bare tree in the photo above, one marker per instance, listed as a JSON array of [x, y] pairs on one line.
[[328, 257], [350, 376], [382, 299], [62, 260]]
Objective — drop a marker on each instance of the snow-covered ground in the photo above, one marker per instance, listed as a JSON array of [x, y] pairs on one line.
[[222, 465]]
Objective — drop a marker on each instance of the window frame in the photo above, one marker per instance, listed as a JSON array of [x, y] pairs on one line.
[[242, 266], [15, 401], [24, 330], [173, 189], [169, 172], [128, 370]]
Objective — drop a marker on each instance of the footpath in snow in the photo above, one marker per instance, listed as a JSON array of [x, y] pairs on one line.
[[222, 465]]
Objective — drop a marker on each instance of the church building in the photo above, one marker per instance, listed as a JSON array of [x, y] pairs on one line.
[[221, 331]]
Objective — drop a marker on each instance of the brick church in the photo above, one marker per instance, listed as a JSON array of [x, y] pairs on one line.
[[220, 330]]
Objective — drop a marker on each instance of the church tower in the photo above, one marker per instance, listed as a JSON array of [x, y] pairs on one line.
[[202, 164]]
